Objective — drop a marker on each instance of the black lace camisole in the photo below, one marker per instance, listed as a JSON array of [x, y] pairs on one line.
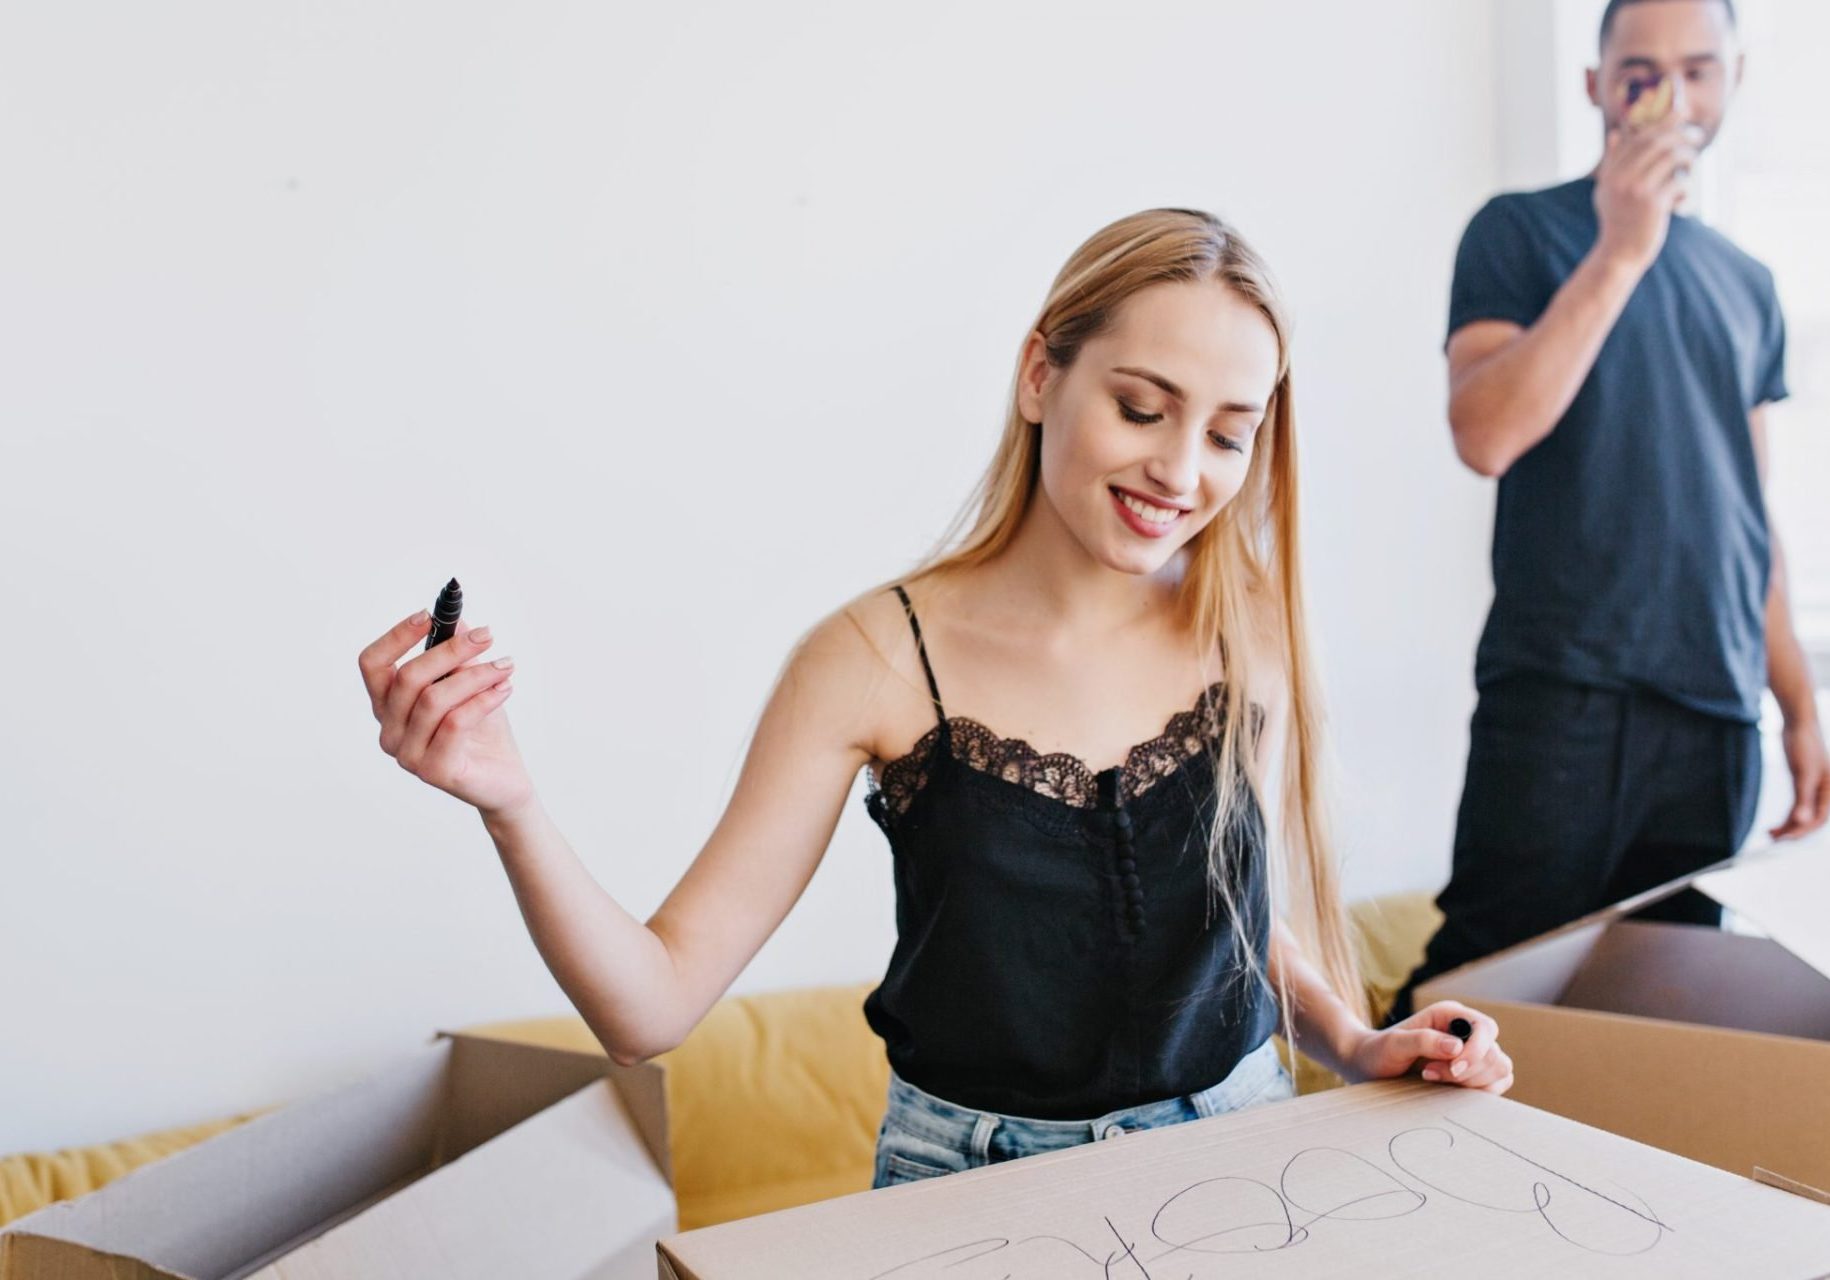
[[1060, 952]]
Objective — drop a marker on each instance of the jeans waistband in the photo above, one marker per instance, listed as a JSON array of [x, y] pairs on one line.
[[954, 1126]]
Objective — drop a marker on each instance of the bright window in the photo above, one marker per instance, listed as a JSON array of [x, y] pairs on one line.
[[1772, 197]]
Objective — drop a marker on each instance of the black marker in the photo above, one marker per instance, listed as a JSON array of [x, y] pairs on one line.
[[445, 611], [1461, 1029]]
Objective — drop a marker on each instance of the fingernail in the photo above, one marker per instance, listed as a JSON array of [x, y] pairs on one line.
[[503, 664], [1451, 1045], [479, 635], [1430, 1073], [1458, 1068], [419, 619]]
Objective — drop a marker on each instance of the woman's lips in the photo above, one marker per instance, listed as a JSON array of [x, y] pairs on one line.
[[1139, 525]]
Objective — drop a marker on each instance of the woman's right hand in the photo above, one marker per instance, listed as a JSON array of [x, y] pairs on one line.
[[450, 733]]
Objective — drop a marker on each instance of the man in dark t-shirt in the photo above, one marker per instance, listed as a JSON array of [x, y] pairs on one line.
[[1610, 360]]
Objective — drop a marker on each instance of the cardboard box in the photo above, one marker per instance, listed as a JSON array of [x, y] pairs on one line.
[[1711, 1044], [1398, 1178], [469, 1158]]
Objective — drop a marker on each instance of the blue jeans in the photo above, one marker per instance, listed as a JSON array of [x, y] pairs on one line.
[[923, 1136]]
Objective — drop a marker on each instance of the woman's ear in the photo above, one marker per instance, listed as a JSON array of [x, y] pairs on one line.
[[1032, 377]]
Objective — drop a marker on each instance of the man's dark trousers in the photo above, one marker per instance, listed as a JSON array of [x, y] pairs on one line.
[[1577, 797]]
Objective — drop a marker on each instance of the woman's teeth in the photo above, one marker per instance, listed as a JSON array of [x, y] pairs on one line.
[[1144, 511]]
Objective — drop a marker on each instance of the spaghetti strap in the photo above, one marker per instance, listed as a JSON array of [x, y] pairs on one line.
[[922, 650]]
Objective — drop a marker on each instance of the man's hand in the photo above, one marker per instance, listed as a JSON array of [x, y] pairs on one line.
[[1637, 184], [1810, 765]]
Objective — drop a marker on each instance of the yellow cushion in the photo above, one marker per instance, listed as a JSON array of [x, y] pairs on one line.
[[1390, 934], [773, 1100]]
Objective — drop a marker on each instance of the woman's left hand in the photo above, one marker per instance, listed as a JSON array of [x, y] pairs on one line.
[[1424, 1037]]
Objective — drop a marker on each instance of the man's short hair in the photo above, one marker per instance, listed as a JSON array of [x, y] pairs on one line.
[[1615, 6]]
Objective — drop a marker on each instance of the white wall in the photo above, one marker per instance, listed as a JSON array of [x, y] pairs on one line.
[[664, 329]]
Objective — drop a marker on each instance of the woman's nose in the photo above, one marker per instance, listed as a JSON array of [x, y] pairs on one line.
[[1176, 467]]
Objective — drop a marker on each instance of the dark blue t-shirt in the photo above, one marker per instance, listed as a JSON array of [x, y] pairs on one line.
[[1630, 545]]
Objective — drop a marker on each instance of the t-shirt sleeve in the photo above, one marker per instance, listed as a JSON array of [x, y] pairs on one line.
[[1499, 273], [1771, 384]]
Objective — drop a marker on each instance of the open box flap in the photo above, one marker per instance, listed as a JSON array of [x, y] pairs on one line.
[[643, 1086], [1771, 870], [1786, 894], [199, 1212], [569, 1192], [343, 1163]]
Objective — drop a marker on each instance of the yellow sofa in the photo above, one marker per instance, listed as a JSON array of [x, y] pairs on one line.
[[773, 1100]]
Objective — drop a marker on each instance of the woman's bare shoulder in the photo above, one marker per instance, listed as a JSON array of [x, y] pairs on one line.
[[869, 630], [862, 655]]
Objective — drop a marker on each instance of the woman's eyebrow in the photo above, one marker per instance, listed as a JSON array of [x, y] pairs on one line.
[[1233, 406]]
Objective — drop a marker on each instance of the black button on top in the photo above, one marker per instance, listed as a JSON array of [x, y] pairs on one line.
[[1130, 915], [1107, 783]]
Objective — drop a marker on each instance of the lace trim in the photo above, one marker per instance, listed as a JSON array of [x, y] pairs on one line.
[[1058, 775]]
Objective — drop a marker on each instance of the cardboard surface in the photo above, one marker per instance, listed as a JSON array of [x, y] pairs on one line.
[[468, 1157], [1692, 973], [515, 1209], [1395, 1178], [1709, 1044], [1787, 896]]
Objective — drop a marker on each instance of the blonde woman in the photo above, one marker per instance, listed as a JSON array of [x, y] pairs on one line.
[[1071, 716]]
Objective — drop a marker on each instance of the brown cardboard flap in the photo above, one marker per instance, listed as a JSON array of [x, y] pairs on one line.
[[29, 1257], [1708, 977], [570, 1192], [533, 1155], [1539, 970], [1704, 879], [1786, 894], [643, 1086], [1771, 1179], [204, 1210], [644, 1090], [494, 1085]]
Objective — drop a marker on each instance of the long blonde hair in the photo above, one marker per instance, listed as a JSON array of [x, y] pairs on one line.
[[1243, 569]]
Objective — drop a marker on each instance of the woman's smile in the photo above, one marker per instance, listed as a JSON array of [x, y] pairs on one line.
[[1144, 517]]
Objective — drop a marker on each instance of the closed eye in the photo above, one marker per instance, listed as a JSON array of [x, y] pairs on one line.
[[1221, 439], [1137, 415]]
